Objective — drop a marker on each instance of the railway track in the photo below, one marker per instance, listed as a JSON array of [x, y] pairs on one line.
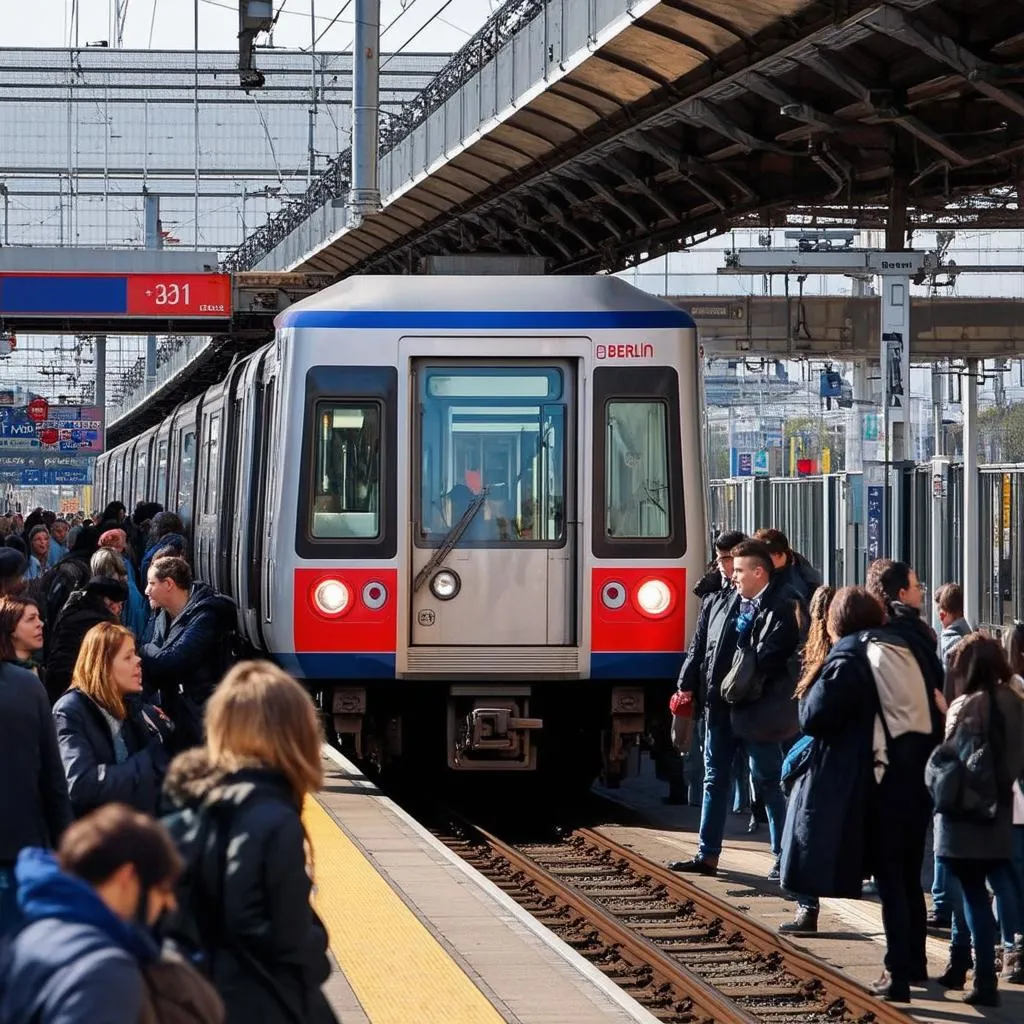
[[686, 956]]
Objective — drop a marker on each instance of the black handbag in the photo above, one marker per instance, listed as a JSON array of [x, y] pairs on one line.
[[743, 683], [962, 775]]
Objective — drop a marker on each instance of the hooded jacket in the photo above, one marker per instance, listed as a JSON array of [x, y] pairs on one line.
[[168, 544], [74, 960], [186, 659]]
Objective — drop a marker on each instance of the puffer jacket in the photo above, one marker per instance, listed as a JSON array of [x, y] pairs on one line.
[[79, 615], [187, 657]]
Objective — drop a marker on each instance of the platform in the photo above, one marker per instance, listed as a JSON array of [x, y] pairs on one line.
[[419, 936]]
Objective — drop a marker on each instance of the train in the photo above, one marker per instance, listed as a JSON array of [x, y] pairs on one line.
[[466, 511]]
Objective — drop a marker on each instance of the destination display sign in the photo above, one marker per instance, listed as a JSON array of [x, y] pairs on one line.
[[176, 296]]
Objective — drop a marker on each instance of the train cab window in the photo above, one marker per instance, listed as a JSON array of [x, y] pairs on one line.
[[637, 496], [638, 509], [161, 472], [186, 476], [492, 455], [347, 461]]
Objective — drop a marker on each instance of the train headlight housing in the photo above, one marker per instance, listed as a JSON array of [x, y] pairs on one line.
[[445, 585], [332, 597], [654, 598]]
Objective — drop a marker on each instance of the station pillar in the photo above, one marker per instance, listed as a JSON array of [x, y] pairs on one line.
[[100, 391], [971, 581], [153, 240]]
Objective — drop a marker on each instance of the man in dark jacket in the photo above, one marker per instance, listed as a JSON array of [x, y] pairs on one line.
[[188, 654], [34, 805], [759, 617], [714, 586], [100, 601], [80, 954]]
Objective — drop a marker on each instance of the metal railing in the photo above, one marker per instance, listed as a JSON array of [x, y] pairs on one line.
[[334, 181]]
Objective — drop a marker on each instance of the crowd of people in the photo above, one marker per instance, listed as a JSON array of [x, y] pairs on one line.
[[876, 748], [153, 864]]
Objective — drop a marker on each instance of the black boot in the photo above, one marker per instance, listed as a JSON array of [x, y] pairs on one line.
[[984, 992], [805, 922], [955, 974]]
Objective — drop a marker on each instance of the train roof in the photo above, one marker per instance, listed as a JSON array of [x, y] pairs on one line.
[[491, 301]]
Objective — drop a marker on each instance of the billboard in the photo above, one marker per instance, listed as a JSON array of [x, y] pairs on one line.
[[42, 429], [44, 470]]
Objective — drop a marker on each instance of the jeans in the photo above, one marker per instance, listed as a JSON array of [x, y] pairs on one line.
[[978, 911], [946, 895], [720, 747], [9, 915]]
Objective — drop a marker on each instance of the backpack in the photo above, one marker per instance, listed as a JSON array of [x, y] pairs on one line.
[[56, 585], [176, 993]]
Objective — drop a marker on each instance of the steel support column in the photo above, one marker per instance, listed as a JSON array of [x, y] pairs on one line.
[[971, 520]]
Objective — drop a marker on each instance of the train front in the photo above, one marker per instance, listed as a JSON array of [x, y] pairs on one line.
[[500, 508]]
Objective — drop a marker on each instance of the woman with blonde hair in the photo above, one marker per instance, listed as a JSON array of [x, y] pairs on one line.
[[111, 742], [248, 893]]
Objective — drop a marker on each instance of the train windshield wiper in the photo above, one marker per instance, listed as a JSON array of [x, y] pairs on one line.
[[450, 539]]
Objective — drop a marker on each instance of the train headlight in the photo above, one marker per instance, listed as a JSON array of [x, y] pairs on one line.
[[654, 598], [332, 597], [445, 585]]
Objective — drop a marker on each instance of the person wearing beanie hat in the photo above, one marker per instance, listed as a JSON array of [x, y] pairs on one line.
[[101, 600]]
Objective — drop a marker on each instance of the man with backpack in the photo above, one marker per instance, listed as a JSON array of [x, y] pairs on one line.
[[84, 951], [192, 645]]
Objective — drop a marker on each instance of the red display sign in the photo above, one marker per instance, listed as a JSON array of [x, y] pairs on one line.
[[179, 295], [37, 410]]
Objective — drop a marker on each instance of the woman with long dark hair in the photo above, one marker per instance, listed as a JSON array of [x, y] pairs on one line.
[[986, 711]]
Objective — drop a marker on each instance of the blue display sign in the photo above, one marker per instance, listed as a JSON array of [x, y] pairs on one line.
[[876, 520], [745, 464]]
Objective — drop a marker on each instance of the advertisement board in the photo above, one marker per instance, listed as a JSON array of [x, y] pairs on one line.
[[42, 429]]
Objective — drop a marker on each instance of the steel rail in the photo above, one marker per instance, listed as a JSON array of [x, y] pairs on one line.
[[805, 967]]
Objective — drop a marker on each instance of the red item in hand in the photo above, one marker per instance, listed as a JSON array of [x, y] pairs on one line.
[[681, 704]]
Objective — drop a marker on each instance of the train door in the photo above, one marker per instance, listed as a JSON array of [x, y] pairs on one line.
[[494, 504]]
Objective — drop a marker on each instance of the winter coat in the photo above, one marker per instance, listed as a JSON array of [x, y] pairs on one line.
[[187, 657], [135, 613], [801, 577], [950, 636], [74, 961], [252, 887], [87, 750], [774, 637], [906, 623], [964, 838], [823, 848], [34, 804], [79, 615]]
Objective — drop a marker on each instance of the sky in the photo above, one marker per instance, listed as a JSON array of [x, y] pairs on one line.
[[424, 25]]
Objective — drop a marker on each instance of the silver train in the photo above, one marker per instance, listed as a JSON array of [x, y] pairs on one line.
[[466, 510]]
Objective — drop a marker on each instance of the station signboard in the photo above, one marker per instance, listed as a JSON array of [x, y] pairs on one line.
[[175, 296], [45, 470], [73, 430]]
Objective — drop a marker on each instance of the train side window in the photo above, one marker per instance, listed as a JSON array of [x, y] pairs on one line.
[[213, 466], [161, 472], [141, 472], [347, 460], [637, 499], [186, 476], [637, 502]]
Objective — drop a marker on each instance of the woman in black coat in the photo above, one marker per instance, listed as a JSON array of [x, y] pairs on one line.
[[823, 846], [111, 743], [249, 900]]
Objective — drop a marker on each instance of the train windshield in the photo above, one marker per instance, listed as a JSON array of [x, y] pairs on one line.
[[495, 437], [636, 475]]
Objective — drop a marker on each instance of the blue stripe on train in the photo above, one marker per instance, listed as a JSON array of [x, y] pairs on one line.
[[488, 319], [627, 665]]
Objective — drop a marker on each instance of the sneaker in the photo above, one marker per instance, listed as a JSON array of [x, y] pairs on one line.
[[774, 875], [938, 921], [890, 990], [805, 922], [697, 866]]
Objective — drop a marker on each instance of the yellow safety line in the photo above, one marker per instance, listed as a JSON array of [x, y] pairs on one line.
[[400, 973]]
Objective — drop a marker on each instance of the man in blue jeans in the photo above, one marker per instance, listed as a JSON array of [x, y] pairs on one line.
[[760, 619]]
